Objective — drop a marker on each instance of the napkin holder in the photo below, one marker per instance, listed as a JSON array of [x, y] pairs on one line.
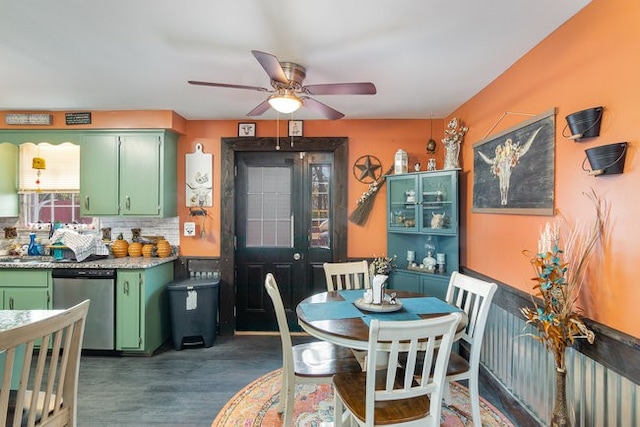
[[377, 287]]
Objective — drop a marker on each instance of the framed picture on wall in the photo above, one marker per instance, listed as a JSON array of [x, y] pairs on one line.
[[513, 171], [246, 129], [295, 127]]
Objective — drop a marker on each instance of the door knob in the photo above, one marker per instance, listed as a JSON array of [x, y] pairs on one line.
[[297, 256]]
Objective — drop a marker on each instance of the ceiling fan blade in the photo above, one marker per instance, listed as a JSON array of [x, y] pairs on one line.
[[321, 108], [230, 86], [364, 88], [260, 108], [272, 66]]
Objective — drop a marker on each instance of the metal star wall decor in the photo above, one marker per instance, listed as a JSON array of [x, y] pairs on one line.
[[367, 169]]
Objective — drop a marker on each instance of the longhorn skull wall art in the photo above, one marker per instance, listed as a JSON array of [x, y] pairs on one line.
[[513, 171]]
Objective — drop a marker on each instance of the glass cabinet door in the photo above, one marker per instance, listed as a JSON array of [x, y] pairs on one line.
[[439, 203], [402, 203]]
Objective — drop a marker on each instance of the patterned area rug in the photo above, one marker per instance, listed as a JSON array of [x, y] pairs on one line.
[[255, 405]]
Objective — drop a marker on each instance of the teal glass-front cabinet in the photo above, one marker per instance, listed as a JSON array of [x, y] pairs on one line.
[[422, 220]]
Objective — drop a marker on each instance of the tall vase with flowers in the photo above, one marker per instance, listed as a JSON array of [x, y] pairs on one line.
[[452, 141], [560, 275], [379, 270]]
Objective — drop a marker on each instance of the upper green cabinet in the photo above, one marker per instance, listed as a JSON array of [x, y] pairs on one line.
[[8, 179], [129, 174], [422, 217]]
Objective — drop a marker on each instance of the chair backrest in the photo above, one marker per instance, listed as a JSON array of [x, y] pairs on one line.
[[474, 297], [411, 342], [347, 275], [285, 335], [48, 391]]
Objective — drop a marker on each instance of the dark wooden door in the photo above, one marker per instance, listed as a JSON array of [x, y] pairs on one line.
[[283, 216]]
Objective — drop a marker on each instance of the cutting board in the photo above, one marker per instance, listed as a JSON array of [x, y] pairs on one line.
[[199, 178]]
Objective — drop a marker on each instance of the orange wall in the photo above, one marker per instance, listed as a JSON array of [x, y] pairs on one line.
[[380, 138], [590, 61]]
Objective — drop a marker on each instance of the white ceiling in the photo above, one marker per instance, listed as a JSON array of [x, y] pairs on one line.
[[426, 57]]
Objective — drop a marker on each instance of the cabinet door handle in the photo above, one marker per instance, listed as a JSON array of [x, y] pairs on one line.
[[10, 303], [128, 203], [126, 287], [86, 203]]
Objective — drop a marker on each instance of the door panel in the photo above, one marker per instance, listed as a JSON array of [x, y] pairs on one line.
[[277, 231]]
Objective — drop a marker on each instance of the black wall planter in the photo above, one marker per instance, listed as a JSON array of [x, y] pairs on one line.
[[606, 159], [584, 124]]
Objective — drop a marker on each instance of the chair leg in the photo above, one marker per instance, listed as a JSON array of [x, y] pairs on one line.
[[446, 395], [474, 395], [283, 388], [338, 410], [289, 402]]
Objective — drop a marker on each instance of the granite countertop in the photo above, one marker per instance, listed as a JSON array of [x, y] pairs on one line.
[[48, 262]]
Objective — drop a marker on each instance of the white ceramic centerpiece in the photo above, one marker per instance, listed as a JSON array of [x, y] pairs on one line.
[[379, 271]]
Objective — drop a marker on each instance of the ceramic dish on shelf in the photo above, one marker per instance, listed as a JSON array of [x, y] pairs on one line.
[[385, 307]]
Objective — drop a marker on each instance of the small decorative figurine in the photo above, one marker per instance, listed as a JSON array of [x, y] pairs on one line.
[[437, 221]]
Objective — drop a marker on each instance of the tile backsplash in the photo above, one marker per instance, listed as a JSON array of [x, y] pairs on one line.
[[167, 227]]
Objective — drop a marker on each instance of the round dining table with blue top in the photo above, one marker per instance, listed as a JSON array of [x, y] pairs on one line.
[[342, 318]]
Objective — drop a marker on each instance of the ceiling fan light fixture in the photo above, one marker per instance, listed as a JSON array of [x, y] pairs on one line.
[[285, 102]]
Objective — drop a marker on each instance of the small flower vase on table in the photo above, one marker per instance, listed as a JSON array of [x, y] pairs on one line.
[[379, 270]]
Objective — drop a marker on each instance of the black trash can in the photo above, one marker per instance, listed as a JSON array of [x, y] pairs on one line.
[[194, 311]]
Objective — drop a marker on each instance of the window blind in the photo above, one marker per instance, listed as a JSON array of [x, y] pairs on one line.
[[62, 173]]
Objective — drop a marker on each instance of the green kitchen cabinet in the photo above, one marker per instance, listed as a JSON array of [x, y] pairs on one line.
[[24, 289], [142, 308], [422, 209], [128, 174], [99, 166], [8, 179], [434, 285]]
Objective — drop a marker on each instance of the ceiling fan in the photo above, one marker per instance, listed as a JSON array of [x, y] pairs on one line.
[[288, 93]]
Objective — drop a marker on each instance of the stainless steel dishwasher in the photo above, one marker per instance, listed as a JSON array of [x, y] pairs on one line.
[[73, 285]]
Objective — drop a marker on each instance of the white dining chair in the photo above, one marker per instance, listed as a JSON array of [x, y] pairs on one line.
[[399, 394], [314, 362], [47, 392], [474, 297], [347, 275]]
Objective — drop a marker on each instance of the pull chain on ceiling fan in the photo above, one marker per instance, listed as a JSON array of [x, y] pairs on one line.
[[289, 94]]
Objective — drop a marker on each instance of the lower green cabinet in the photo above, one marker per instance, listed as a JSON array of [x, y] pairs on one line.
[[433, 285], [129, 287], [142, 308], [23, 289], [406, 281]]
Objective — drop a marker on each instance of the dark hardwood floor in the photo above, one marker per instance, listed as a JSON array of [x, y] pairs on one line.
[[189, 387]]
